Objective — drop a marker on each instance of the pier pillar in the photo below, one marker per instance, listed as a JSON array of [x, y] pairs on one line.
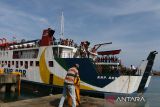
[[2, 88], [10, 83]]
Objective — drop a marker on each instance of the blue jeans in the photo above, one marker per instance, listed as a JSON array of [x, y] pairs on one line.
[[71, 89]]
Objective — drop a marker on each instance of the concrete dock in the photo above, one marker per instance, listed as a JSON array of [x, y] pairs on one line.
[[10, 83], [53, 101]]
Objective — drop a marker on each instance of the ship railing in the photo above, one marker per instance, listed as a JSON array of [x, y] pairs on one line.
[[105, 70], [106, 63], [116, 69], [65, 42], [23, 45], [107, 60]]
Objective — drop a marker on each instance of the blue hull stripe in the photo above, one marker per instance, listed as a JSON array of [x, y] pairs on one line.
[[87, 71]]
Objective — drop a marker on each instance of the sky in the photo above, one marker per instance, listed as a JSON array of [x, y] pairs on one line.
[[131, 25]]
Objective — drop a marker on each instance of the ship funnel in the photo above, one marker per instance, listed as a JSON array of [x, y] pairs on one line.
[[47, 37]]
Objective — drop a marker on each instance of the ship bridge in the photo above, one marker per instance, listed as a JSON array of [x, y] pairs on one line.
[[63, 51]]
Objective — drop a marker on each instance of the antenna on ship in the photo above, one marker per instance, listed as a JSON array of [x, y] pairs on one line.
[[14, 39], [62, 26]]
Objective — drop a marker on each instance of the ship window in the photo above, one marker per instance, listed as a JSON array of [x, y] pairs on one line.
[[50, 63], [57, 51], [2, 64], [37, 63], [12, 62], [25, 54], [7, 53], [26, 64], [9, 64], [16, 64], [31, 63], [21, 63]]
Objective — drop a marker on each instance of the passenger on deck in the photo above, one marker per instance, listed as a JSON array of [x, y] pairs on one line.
[[60, 42], [133, 70], [72, 42], [109, 59], [75, 45], [97, 59], [54, 39], [116, 59], [66, 42], [132, 67]]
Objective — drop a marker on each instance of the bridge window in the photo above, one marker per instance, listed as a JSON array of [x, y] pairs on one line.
[[50, 63], [57, 51], [9, 64], [21, 63], [31, 63], [16, 64], [37, 63], [25, 54], [26, 64], [12, 62]]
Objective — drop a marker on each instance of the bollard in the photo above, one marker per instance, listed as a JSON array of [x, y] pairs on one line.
[[1, 71], [19, 85], [18, 77]]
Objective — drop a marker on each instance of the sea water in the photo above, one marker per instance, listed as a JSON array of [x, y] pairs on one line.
[[151, 98], [153, 92]]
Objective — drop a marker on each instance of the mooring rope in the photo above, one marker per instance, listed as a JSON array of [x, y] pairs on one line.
[[128, 83]]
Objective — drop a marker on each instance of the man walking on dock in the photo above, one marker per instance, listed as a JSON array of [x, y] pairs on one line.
[[69, 86]]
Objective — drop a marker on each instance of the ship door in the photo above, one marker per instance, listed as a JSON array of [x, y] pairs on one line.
[[51, 79]]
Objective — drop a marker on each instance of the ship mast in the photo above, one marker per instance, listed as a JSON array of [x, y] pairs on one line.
[[62, 26]]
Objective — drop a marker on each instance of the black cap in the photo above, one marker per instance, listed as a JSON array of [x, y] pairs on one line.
[[76, 65]]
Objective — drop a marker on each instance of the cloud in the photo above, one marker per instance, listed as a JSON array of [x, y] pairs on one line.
[[20, 22], [112, 8]]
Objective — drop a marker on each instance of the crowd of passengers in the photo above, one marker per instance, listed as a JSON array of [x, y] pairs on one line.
[[66, 42], [121, 70], [109, 59]]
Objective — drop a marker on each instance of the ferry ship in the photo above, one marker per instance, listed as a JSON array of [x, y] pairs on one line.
[[44, 62]]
